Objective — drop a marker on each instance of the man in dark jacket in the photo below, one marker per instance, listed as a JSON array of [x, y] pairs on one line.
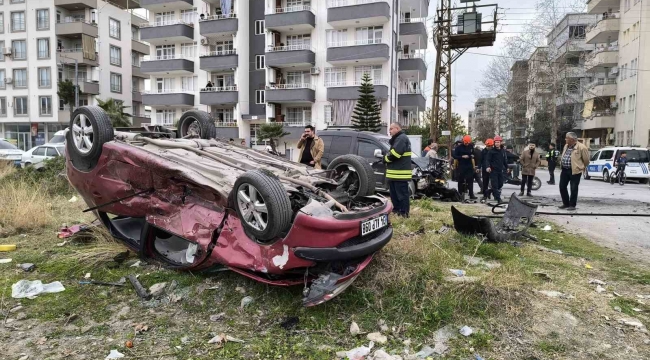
[[489, 144], [478, 157], [513, 161], [398, 169], [464, 154], [551, 158], [497, 163]]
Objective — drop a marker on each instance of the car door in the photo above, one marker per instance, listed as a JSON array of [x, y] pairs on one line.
[[327, 152], [605, 162], [38, 155], [366, 149], [51, 153], [592, 168]]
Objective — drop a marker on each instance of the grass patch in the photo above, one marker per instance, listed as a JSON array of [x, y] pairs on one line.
[[6, 169], [551, 347], [23, 207]]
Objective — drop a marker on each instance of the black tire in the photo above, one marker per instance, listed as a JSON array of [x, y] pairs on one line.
[[606, 175], [537, 183], [643, 181], [362, 168], [275, 198], [197, 120], [84, 157]]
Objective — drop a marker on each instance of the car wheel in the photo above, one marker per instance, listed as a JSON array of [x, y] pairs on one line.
[[643, 181], [196, 123], [262, 205], [90, 129], [605, 175], [27, 165], [537, 183], [357, 172]]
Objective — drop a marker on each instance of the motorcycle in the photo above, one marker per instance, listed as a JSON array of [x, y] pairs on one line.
[[509, 179], [430, 179]]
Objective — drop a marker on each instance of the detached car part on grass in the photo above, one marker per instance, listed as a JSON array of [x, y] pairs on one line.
[[430, 179], [514, 223], [196, 203]]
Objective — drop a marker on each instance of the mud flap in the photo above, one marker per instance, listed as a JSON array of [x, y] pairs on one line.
[[325, 288]]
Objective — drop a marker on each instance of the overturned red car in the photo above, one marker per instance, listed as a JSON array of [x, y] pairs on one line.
[[184, 198]]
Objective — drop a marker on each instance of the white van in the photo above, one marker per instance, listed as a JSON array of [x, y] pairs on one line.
[[602, 163]]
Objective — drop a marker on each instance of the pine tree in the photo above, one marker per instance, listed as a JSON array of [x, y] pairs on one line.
[[367, 113]]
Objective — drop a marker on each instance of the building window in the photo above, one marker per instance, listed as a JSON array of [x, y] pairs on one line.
[[164, 18], [260, 97], [42, 19], [19, 49], [369, 35], [328, 114], [259, 27], [298, 78], [165, 117], [164, 52], [116, 55], [373, 70], [188, 16], [337, 37], [18, 21], [224, 116], [20, 106], [114, 29], [43, 48], [298, 116], [254, 129], [2, 79], [2, 23], [3, 106], [116, 83], [188, 50], [20, 78], [577, 32], [260, 62], [44, 77], [335, 76], [45, 105]]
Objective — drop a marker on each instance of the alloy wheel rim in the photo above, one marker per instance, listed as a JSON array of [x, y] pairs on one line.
[[82, 133], [252, 206]]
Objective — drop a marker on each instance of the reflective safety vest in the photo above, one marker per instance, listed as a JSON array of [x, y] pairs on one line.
[[398, 159]]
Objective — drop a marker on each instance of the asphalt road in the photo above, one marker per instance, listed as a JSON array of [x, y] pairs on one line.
[[628, 235]]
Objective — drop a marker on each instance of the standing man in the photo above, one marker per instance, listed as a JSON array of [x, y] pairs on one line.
[[529, 162], [427, 148], [497, 164], [478, 158], [314, 145], [489, 144], [551, 158], [464, 154], [575, 158], [398, 169]]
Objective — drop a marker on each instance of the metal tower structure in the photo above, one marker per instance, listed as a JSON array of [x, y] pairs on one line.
[[451, 41]]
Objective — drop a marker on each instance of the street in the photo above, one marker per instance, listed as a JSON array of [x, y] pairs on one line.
[[628, 235]]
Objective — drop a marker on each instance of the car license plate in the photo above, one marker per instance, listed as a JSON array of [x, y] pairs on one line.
[[375, 224], [17, 162]]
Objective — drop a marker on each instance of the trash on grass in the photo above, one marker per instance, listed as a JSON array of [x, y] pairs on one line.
[[457, 272], [121, 282], [217, 317], [588, 266], [466, 331], [87, 276], [140, 328], [358, 353], [464, 279], [8, 247], [5, 261], [547, 228], [597, 282], [114, 354], [425, 352], [245, 302], [382, 325], [223, 338], [477, 357], [157, 289], [617, 308], [377, 338], [139, 289], [66, 232], [72, 199], [354, 329], [632, 322], [473, 260], [30, 289], [27, 267], [600, 289], [382, 355], [136, 264]]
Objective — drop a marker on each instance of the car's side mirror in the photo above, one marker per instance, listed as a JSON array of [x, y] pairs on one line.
[[378, 153]]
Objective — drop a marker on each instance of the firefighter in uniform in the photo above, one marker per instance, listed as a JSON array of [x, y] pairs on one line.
[[551, 158], [398, 169]]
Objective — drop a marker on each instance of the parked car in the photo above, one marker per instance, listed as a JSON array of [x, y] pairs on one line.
[[602, 163], [194, 203], [38, 154], [429, 175], [58, 138], [10, 153]]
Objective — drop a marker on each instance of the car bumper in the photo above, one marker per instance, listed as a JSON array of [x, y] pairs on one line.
[[343, 252]]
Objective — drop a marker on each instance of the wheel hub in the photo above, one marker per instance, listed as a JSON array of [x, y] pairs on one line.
[[252, 207], [82, 133]]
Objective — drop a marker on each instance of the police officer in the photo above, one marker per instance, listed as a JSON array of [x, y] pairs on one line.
[[551, 158], [398, 169]]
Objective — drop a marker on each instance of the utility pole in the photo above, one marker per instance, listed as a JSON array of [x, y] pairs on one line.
[[450, 44]]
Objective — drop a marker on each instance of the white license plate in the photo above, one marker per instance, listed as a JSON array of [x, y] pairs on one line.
[[375, 224]]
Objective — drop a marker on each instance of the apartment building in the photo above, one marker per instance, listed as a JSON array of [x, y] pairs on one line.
[[516, 122], [471, 124], [41, 41], [539, 99], [297, 62], [567, 49]]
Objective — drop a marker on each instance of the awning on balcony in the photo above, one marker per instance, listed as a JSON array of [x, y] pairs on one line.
[[589, 105]]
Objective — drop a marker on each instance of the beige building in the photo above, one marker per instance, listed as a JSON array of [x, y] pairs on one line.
[[539, 99]]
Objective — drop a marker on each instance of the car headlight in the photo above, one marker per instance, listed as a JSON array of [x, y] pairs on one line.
[[417, 172]]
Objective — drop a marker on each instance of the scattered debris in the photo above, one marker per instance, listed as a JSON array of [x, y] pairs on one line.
[[547, 228], [222, 339], [30, 289], [87, 276], [136, 264], [377, 338], [600, 289], [464, 279], [185, 339], [382, 355], [217, 317], [354, 329], [73, 199], [616, 294], [382, 325], [597, 282], [466, 331], [556, 294], [128, 344], [425, 352], [114, 354], [617, 308], [5, 261], [407, 342], [546, 240], [443, 230], [139, 289], [477, 357], [637, 310], [66, 232], [240, 290], [441, 337], [588, 266], [457, 272], [121, 282], [61, 243], [472, 260], [27, 267], [14, 309], [8, 247], [358, 353], [245, 302], [140, 328], [290, 323], [542, 275], [633, 323]]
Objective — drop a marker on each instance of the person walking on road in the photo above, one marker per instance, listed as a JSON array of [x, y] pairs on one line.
[[314, 146], [398, 169], [485, 175], [551, 159], [529, 160], [497, 163], [464, 154], [574, 160], [478, 157]]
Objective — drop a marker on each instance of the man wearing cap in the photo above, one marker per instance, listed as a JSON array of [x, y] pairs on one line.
[[464, 154], [489, 144], [497, 163], [551, 158]]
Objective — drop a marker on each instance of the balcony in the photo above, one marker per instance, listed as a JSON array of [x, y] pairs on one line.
[[411, 99], [74, 28], [172, 31], [571, 71], [88, 87], [225, 95], [345, 13], [138, 119], [350, 52], [599, 88], [601, 6], [141, 47], [290, 56], [413, 65], [602, 59], [413, 32], [126, 4], [605, 30], [349, 90], [168, 97], [136, 95], [290, 93], [176, 64], [68, 56], [218, 25], [136, 71], [293, 19], [76, 4], [600, 119], [573, 47], [167, 5], [219, 60]]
